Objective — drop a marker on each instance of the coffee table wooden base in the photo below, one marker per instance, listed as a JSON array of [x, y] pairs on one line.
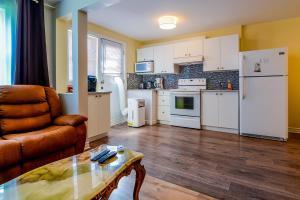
[[140, 176]]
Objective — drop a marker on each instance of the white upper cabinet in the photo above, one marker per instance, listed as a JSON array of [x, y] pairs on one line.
[[163, 59], [221, 53], [230, 48], [212, 54], [188, 51], [145, 54]]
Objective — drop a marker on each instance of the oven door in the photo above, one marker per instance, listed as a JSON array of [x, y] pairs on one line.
[[185, 103]]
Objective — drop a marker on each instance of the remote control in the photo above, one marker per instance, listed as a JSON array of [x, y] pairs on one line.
[[99, 155], [107, 156]]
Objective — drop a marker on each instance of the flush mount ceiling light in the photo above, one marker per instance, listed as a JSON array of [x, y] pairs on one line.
[[167, 22]]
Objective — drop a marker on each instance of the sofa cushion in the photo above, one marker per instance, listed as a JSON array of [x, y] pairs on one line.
[[42, 142], [23, 108], [10, 153], [54, 102], [8, 125], [70, 120], [22, 94]]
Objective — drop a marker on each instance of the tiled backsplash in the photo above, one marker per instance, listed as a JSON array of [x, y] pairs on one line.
[[187, 72]]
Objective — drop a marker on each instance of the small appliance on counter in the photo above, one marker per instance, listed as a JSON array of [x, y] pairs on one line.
[[158, 84], [144, 67], [136, 112], [92, 83], [149, 85]]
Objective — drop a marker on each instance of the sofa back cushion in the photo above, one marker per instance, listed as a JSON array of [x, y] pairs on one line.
[[54, 102], [23, 108]]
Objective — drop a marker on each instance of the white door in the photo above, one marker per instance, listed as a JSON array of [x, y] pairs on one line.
[[212, 54], [145, 54], [230, 47], [195, 48], [180, 50], [270, 62], [264, 106], [229, 110], [163, 59], [210, 109]]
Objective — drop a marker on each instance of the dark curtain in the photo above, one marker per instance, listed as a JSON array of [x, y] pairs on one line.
[[32, 67]]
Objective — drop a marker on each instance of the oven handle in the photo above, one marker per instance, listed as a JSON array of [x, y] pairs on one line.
[[185, 93]]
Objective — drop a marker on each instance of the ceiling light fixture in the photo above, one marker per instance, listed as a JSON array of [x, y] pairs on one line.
[[167, 22]]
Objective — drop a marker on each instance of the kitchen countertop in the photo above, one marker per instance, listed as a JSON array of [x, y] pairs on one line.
[[99, 92], [219, 90]]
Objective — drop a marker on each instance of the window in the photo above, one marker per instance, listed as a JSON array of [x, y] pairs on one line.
[[4, 71], [112, 57], [92, 50]]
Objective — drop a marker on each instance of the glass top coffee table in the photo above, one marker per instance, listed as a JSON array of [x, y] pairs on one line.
[[77, 177]]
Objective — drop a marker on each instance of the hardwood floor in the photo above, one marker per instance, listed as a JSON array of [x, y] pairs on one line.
[[154, 189], [221, 165]]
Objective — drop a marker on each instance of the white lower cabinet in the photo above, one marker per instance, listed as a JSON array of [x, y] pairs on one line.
[[163, 107], [220, 109], [99, 115]]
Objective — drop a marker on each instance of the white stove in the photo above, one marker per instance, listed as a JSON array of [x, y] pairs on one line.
[[185, 103]]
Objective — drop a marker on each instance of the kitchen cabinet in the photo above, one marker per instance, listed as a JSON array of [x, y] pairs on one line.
[[145, 54], [210, 109], [221, 53], [229, 110], [188, 51], [98, 115], [220, 109], [163, 107], [163, 59]]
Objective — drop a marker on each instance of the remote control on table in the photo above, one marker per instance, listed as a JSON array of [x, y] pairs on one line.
[[99, 155], [107, 156]]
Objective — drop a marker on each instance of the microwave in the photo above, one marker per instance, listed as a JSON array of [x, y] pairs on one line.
[[144, 67]]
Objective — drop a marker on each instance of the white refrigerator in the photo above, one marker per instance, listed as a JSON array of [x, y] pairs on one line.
[[264, 93]]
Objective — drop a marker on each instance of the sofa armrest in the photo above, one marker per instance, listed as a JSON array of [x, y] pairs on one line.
[[69, 120]]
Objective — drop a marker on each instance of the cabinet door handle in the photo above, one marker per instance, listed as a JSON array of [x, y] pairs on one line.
[[221, 93], [217, 94], [218, 67]]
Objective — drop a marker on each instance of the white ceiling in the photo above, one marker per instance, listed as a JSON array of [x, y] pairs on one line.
[[139, 18]]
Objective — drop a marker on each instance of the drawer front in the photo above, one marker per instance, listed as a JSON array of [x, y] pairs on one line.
[[163, 92], [164, 113], [163, 100]]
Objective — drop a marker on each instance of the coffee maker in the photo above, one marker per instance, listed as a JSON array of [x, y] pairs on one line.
[[158, 84]]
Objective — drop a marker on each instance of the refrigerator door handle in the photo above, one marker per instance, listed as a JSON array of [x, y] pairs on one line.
[[243, 88]]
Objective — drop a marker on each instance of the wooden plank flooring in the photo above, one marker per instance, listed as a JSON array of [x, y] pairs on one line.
[[221, 165], [154, 189]]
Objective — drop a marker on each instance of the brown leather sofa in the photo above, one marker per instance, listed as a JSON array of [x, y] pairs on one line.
[[33, 131]]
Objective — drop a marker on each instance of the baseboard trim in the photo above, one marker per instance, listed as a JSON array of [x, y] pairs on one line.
[[225, 130], [294, 130]]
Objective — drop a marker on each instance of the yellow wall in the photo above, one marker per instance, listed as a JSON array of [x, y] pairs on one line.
[[283, 33], [62, 49], [130, 44]]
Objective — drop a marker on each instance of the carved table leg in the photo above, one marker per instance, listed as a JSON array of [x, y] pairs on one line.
[[140, 176]]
